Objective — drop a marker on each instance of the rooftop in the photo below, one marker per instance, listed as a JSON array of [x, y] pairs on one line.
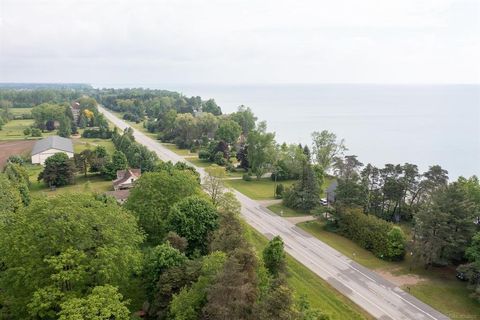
[[53, 142]]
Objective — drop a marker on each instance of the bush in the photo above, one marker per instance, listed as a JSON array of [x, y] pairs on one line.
[[27, 131], [97, 133], [204, 154], [36, 132], [219, 159], [279, 191], [372, 233], [247, 177]]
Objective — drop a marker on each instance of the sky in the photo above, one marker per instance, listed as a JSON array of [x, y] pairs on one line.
[[240, 42]]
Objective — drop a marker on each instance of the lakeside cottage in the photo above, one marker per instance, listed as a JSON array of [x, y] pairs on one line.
[[47, 147]]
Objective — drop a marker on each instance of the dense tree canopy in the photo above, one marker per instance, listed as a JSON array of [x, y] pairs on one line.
[[59, 170], [61, 247]]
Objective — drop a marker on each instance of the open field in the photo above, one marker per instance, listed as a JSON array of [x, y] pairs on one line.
[[256, 189], [319, 293], [92, 183], [9, 148], [436, 286], [13, 130], [180, 152], [80, 144], [20, 111]]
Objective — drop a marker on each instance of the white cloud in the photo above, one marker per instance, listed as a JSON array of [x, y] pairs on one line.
[[240, 41]]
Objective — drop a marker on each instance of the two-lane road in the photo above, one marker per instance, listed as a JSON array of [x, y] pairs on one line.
[[377, 296]]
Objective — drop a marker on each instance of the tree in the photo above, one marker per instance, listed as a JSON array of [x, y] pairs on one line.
[[98, 159], [189, 302], [195, 219], [212, 107], [213, 183], [119, 162], [396, 244], [326, 148], [153, 196], [186, 130], [207, 125], [65, 128], [305, 193], [19, 178], [471, 270], [274, 256], [230, 234], [59, 170], [68, 245], [10, 200], [278, 303], [444, 226], [233, 293], [245, 118], [104, 303], [261, 148], [157, 260], [82, 160], [228, 131]]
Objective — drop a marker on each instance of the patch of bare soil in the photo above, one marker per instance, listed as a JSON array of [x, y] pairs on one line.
[[19, 147], [401, 279]]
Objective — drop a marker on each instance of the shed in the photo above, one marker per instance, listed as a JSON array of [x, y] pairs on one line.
[[47, 147]]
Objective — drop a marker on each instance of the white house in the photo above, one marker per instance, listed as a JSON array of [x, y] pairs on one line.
[[126, 178], [49, 146]]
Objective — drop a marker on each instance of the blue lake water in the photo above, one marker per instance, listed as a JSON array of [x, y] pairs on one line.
[[424, 124]]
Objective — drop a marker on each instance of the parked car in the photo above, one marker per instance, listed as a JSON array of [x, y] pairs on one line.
[[323, 202]]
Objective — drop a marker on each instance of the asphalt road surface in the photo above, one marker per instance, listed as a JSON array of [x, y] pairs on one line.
[[377, 296]]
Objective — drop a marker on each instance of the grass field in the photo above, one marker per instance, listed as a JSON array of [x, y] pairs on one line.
[[256, 189], [20, 111], [13, 130], [92, 183], [319, 293], [180, 152], [80, 144], [438, 286]]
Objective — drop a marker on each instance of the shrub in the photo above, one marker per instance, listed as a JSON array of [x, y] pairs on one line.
[[374, 234], [219, 159], [27, 131], [36, 132], [247, 177], [279, 191]]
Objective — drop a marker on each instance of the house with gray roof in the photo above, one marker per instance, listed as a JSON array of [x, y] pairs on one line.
[[47, 147]]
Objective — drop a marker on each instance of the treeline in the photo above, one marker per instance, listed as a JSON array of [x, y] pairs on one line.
[[138, 156], [170, 253], [444, 216], [31, 97]]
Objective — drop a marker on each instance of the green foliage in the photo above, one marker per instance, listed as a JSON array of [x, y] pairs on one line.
[[157, 260], [279, 189], [59, 170], [228, 131], [187, 304], [62, 247], [45, 112], [326, 148], [274, 256], [104, 303], [119, 162], [374, 234], [10, 199], [305, 193], [36, 132], [194, 218], [245, 118], [153, 196], [445, 226], [17, 174], [138, 155], [27, 131], [261, 149], [65, 128]]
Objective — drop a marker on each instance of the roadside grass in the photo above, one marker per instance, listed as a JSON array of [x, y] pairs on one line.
[[180, 152], [256, 189], [438, 286], [80, 144], [198, 162], [303, 281], [284, 211]]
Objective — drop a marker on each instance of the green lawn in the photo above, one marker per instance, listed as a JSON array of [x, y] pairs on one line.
[[13, 130], [439, 287], [20, 111], [199, 162], [180, 152], [283, 211], [256, 189], [92, 183], [319, 293], [80, 144]]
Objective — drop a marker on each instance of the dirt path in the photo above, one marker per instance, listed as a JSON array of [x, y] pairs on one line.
[[401, 279]]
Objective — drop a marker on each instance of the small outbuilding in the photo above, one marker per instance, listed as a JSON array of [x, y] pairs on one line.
[[47, 147]]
